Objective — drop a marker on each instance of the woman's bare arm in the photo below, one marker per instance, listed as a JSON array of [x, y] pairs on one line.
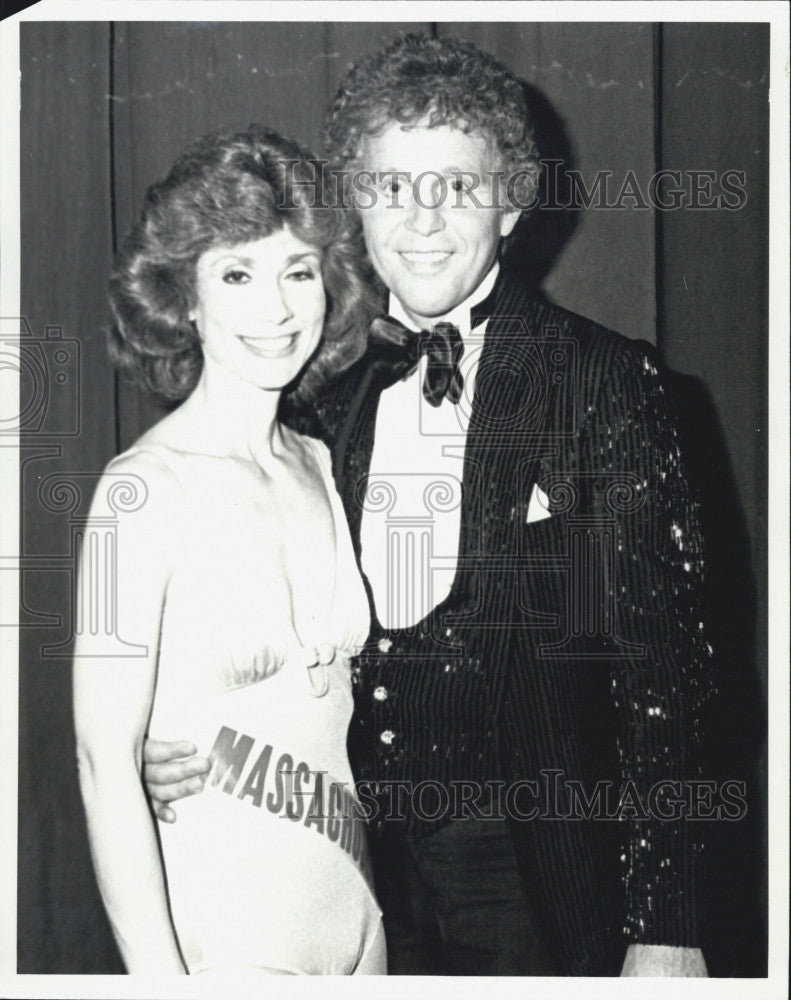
[[112, 703]]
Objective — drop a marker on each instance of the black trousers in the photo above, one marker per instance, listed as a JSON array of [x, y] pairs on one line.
[[454, 903]]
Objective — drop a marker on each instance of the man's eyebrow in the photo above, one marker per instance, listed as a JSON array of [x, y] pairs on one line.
[[448, 171]]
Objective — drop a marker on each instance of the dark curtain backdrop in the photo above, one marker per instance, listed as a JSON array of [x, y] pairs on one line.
[[105, 110]]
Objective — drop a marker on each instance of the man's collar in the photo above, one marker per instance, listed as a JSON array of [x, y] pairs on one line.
[[460, 315]]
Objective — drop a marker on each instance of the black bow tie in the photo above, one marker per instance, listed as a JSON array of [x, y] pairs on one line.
[[396, 351]]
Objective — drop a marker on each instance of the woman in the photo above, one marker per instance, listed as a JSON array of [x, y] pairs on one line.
[[236, 582]]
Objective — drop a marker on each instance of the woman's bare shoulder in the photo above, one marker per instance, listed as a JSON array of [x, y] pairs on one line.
[[156, 455], [143, 480]]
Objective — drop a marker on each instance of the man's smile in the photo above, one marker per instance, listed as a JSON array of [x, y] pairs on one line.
[[424, 260]]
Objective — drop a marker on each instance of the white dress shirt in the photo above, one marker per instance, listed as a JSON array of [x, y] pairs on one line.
[[412, 514]]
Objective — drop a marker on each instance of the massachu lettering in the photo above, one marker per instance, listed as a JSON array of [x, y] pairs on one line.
[[292, 791]]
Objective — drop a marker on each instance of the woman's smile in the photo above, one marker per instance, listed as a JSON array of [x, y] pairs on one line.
[[271, 347], [260, 307]]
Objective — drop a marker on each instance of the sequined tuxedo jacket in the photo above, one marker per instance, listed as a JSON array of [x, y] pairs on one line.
[[568, 661]]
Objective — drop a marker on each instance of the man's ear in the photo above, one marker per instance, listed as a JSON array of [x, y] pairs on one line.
[[508, 220]]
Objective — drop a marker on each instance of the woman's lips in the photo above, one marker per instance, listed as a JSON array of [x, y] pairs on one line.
[[270, 347]]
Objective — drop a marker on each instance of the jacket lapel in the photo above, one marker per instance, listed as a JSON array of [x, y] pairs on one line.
[[505, 441], [354, 448], [503, 451]]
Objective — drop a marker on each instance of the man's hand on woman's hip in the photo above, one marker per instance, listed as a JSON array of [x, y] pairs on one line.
[[172, 771]]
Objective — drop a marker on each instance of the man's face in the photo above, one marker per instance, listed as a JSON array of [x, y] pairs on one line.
[[432, 237]]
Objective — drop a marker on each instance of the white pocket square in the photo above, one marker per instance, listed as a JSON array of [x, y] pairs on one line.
[[538, 508]]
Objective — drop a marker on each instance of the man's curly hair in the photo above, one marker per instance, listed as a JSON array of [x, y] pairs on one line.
[[445, 81], [225, 190]]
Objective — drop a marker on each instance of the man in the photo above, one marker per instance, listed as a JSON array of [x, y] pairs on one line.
[[532, 556]]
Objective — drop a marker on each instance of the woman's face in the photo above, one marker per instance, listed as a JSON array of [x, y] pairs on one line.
[[260, 307]]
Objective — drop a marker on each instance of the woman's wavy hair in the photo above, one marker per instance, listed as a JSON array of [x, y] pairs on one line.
[[225, 190], [437, 81]]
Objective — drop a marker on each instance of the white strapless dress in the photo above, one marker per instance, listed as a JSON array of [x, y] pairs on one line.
[[268, 867]]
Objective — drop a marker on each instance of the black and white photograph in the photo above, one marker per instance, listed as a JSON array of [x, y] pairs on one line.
[[395, 496]]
